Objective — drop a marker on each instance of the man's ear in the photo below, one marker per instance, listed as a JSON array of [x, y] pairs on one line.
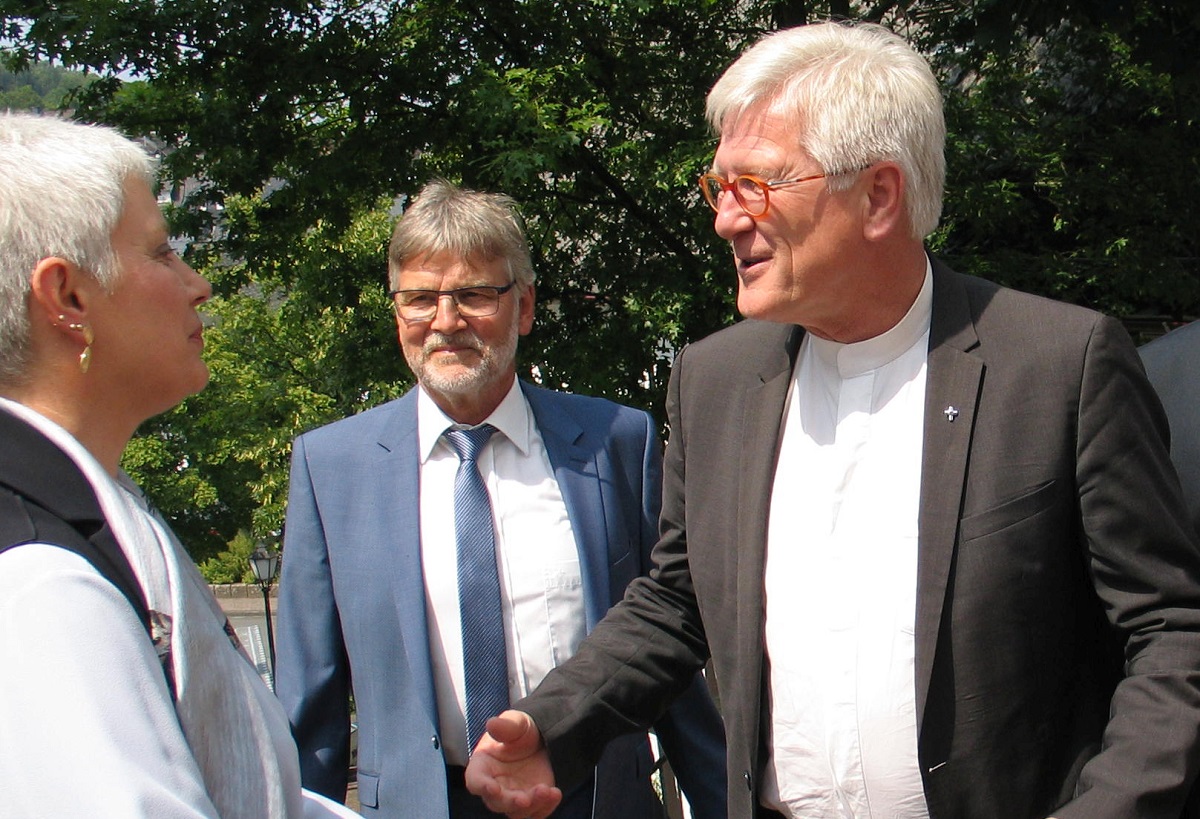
[[60, 290], [884, 207], [526, 310]]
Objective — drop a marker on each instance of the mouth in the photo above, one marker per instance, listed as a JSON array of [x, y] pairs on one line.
[[456, 352], [750, 268]]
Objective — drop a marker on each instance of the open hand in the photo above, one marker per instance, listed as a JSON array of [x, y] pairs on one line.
[[510, 769]]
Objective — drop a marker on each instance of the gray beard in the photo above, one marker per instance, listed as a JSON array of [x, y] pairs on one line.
[[494, 363]]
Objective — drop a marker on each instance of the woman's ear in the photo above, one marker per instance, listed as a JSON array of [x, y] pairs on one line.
[[61, 290]]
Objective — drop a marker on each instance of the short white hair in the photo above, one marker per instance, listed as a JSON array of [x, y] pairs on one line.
[[858, 94], [61, 194]]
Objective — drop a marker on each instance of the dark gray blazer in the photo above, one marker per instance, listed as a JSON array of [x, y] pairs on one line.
[[1053, 544]]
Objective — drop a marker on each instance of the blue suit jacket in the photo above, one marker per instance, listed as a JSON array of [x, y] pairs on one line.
[[352, 604]]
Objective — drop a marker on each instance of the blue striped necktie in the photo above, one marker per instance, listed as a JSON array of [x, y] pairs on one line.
[[485, 660]]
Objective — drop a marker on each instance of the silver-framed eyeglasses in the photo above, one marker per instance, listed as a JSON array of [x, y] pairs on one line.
[[751, 192], [476, 301]]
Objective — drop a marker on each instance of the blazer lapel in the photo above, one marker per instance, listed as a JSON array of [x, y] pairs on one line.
[[399, 492], [578, 480], [953, 384], [765, 399]]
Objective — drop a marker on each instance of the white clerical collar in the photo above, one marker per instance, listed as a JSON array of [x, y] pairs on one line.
[[863, 356], [511, 417]]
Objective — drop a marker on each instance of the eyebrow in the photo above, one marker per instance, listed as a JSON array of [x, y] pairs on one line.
[[757, 170]]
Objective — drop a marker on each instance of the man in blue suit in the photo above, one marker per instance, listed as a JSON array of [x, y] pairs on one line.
[[370, 598]]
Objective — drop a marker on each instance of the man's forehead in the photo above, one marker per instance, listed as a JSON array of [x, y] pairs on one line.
[[445, 263], [762, 134]]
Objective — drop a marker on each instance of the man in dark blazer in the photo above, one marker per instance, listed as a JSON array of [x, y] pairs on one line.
[[1173, 367], [369, 598], [925, 526], [1172, 362]]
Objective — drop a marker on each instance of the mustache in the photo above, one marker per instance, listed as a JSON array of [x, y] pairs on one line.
[[463, 338]]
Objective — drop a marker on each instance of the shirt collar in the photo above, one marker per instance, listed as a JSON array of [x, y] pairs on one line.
[[512, 418]]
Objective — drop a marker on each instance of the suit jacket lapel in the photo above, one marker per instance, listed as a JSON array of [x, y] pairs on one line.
[[764, 403], [578, 480], [953, 383], [399, 462]]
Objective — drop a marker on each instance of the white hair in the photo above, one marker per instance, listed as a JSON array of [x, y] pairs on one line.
[[61, 194], [858, 94]]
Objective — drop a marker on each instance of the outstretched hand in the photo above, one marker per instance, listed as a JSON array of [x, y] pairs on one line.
[[510, 769]]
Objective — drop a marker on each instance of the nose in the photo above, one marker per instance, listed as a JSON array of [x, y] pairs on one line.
[[731, 219], [202, 285], [447, 319]]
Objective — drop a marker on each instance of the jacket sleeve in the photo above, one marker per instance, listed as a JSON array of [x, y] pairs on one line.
[[645, 652], [312, 670], [1145, 566], [690, 732]]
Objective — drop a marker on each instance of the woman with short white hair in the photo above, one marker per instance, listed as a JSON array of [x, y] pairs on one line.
[[123, 692]]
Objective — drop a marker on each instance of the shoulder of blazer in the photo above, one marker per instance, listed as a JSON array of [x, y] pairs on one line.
[[742, 355], [748, 337], [1171, 359], [368, 426], [588, 412], [969, 311]]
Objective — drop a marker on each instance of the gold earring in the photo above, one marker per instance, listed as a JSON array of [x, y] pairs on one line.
[[85, 358]]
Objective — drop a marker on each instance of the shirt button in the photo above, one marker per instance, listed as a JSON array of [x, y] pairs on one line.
[[749, 781], [437, 743]]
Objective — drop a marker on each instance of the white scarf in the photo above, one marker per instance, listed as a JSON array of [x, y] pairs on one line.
[[237, 730]]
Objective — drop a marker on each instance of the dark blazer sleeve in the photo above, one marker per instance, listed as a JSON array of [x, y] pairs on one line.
[[690, 732], [1144, 562], [644, 654], [1173, 366], [312, 670]]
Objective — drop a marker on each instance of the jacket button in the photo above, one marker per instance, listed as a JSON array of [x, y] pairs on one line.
[[749, 781], [437, 744]]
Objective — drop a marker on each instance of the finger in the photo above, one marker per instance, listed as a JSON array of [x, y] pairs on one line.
[[513, 804], [512, 726], [543, 802]]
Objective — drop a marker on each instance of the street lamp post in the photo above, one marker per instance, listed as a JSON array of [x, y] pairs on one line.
[[264, 563]]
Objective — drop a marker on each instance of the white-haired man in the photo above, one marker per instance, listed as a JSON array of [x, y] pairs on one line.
[[925, 526]]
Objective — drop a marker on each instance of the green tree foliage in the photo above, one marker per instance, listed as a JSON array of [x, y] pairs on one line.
[[233, 564], [41, 87], [1070, 173], [1073, 146], [1072, 154]]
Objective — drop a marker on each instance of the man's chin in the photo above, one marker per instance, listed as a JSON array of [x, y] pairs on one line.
[[453, 380]]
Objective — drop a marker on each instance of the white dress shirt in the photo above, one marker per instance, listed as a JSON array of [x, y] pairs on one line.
[[541, 582], [841, 578]]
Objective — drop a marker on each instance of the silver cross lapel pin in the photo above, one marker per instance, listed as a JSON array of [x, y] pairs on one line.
[[951, 413]]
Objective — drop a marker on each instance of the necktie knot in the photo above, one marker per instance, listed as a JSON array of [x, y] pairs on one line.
[[468, 443]]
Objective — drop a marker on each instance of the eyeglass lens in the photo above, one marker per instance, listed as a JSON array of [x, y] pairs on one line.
[[472, 302], [750, 193]]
